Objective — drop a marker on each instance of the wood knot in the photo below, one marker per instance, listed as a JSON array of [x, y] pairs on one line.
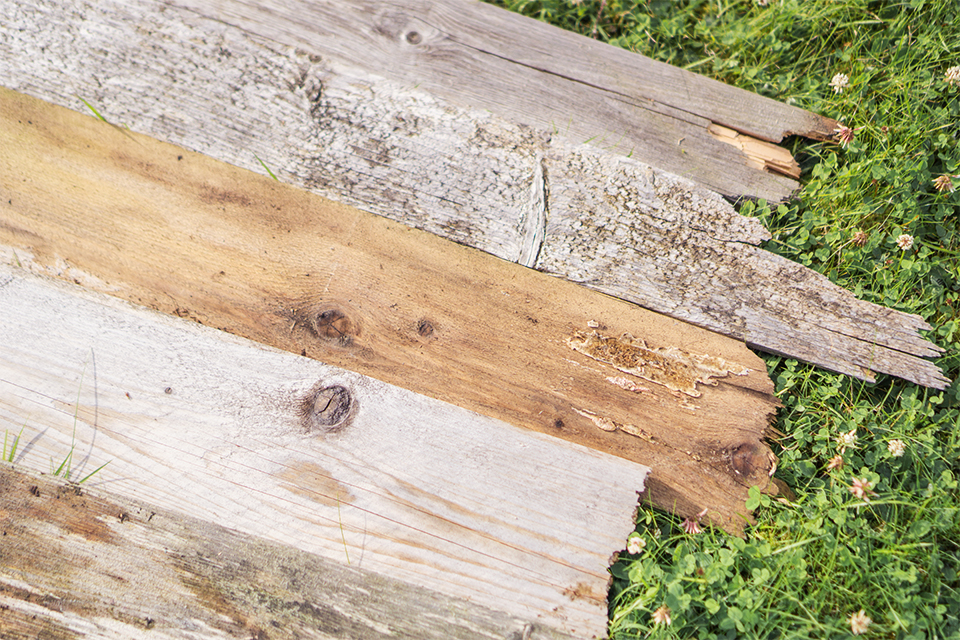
[[334, 326], [414, 38], [424, 328], [751, 460], [326, 409]]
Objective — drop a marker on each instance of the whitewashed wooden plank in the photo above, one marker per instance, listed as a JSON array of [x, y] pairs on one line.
[[474, 54], [210, 425]]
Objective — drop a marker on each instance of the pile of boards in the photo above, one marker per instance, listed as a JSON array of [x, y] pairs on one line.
[[410, 381]]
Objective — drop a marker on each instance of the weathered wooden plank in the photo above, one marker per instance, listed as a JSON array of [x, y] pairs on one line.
[[206, 424], [477, 55], [188, 235], [79, 563], [466, 175]]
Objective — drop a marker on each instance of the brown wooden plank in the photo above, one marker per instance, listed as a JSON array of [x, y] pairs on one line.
[[462, 174], [184, 234], [78, 563]]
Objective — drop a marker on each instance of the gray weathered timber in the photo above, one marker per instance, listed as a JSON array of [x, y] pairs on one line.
[[205, 424], [82, 563], [477, 55], [520, 193]]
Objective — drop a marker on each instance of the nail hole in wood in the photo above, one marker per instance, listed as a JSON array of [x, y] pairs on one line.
[[326, 409]]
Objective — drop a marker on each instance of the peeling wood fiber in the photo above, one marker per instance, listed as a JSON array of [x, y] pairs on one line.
[[390, 147]]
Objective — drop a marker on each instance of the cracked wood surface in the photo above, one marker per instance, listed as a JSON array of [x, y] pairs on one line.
[[387, 146], [361, 473], [78, 562], [188, 235]]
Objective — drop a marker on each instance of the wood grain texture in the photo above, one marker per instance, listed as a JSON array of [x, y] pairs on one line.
[[80, 563], [520, 193], [191, 236], [205, 424]]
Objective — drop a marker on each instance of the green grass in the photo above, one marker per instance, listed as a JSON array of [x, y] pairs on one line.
[[9, 452], [808, 566], [264, 165], [63, 470]]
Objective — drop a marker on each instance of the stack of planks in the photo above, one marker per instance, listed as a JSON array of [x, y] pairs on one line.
[[356, 471], [466, 121]]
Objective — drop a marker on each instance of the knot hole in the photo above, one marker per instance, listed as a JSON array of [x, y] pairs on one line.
[[326, 409]]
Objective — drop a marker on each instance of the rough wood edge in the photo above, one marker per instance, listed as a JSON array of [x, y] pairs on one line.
[[760, 154]]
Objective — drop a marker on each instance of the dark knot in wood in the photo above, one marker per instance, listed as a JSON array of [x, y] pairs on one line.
[[414, 38], [752, 461], [424, 328], [326, 409], [333, 325]]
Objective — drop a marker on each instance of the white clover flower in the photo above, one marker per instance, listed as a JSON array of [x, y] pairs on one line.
[[896, 448], [952, 75], [905, 242], [847, 440], [862, 489], [691, 526], [661, 615], [944, 183], [844, 134], [635, 544], [839, 82], [859, 623]]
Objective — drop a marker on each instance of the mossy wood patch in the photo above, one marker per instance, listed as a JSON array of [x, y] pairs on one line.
[[397, 126], [190, 236]]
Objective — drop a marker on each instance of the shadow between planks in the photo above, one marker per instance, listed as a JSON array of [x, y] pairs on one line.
[[359, 115], [193, 237], [80, 563]]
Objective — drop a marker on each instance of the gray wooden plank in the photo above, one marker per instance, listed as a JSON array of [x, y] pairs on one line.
[[480, 56], [80, 563], [464, 174], [208, 425]]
